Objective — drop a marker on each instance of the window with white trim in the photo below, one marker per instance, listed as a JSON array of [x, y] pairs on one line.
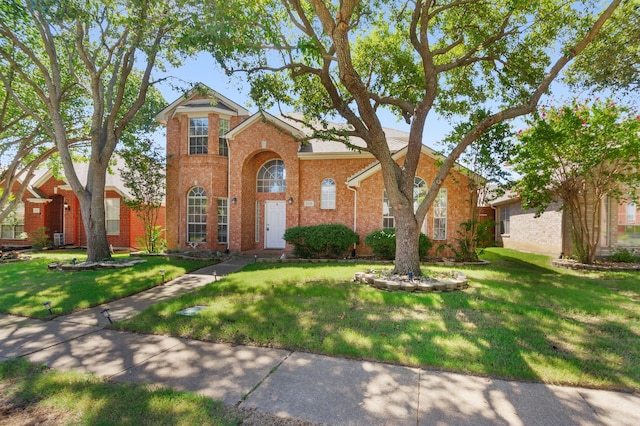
[[223, 214], [328, 194], [257, 230], [419, 192], [272, 177], [223, 129], [197, 215], [112, 215], [505, 220], [440, 215], [631, 213], [12, 227], [198, 136], [388, 221]]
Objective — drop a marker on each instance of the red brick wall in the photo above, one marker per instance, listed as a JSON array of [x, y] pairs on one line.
[[458, 203], [184, 172], [249, 150]]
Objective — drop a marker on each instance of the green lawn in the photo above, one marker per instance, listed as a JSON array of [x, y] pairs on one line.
[[26, 285], [520, 319], [31, 394]]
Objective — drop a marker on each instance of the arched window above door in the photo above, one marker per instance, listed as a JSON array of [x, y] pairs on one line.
[[272, 177]]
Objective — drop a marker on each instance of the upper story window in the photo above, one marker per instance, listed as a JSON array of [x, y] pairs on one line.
[[328, 194], [198, 136], [112, 215], [197, 215], [440, 215], [272, 177], [12, 227], [223, 129]]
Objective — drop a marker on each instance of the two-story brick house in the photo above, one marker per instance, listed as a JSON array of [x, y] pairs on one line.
[[237, 181]]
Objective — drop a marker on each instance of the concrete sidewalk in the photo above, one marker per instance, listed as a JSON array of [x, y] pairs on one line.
[[313, 387]]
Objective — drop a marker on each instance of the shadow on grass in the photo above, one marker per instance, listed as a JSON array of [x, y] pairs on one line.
[[501, 327], [90, 400]]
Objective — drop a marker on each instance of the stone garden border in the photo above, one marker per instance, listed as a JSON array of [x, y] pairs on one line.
[[602, 267], [457, 281]]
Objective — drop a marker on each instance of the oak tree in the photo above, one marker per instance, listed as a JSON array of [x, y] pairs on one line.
[[104, 53], [351, 59]]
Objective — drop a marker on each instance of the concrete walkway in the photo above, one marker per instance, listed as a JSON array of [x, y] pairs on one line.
[[313, 387]]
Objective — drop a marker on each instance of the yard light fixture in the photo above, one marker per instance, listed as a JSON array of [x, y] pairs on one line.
[[255, 257], [47, 306], [105, 313], [162, 273], [215, 276]]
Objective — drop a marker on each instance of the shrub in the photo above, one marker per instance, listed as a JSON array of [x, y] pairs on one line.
[[329, 240], [39, 238], [624, 255], [383, 243]]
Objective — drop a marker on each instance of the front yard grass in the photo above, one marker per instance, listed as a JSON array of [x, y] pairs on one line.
[[520, 319], [26, 285]]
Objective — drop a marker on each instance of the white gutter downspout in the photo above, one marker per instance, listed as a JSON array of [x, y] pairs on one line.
[[229, 204], [355, 213]]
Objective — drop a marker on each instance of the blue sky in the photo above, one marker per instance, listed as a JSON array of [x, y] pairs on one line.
[[203, 69]]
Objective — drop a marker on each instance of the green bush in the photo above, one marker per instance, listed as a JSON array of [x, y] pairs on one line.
[[383, 243], [329, 240], [39, 238], [624, 255]]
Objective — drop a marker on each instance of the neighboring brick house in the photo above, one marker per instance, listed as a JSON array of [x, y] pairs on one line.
[[550, 233], [237, 181], [49, 202]]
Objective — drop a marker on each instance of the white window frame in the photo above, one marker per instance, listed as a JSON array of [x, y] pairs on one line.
[[272, 177], [12, 228], [505, 220], [223, 220], [198, 136], [328, 194], [419, 192], [197, 215], [223, 129], [440, 215], [112, 215], [630, 213], [388, 221]]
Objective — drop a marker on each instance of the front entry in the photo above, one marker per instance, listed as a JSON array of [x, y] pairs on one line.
[[275, 224]]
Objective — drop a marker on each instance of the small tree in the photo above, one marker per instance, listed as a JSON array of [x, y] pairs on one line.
[[579, 154], [144, 177]]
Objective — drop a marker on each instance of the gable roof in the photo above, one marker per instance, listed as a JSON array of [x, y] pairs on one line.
[[214, 103], [113, 181], [373, 168], [268, 118]]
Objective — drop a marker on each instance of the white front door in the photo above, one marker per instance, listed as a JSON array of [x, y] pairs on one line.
[[274, 224]]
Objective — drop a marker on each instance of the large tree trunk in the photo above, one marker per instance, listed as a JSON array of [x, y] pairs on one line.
[[93, 213], [407, 238]]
